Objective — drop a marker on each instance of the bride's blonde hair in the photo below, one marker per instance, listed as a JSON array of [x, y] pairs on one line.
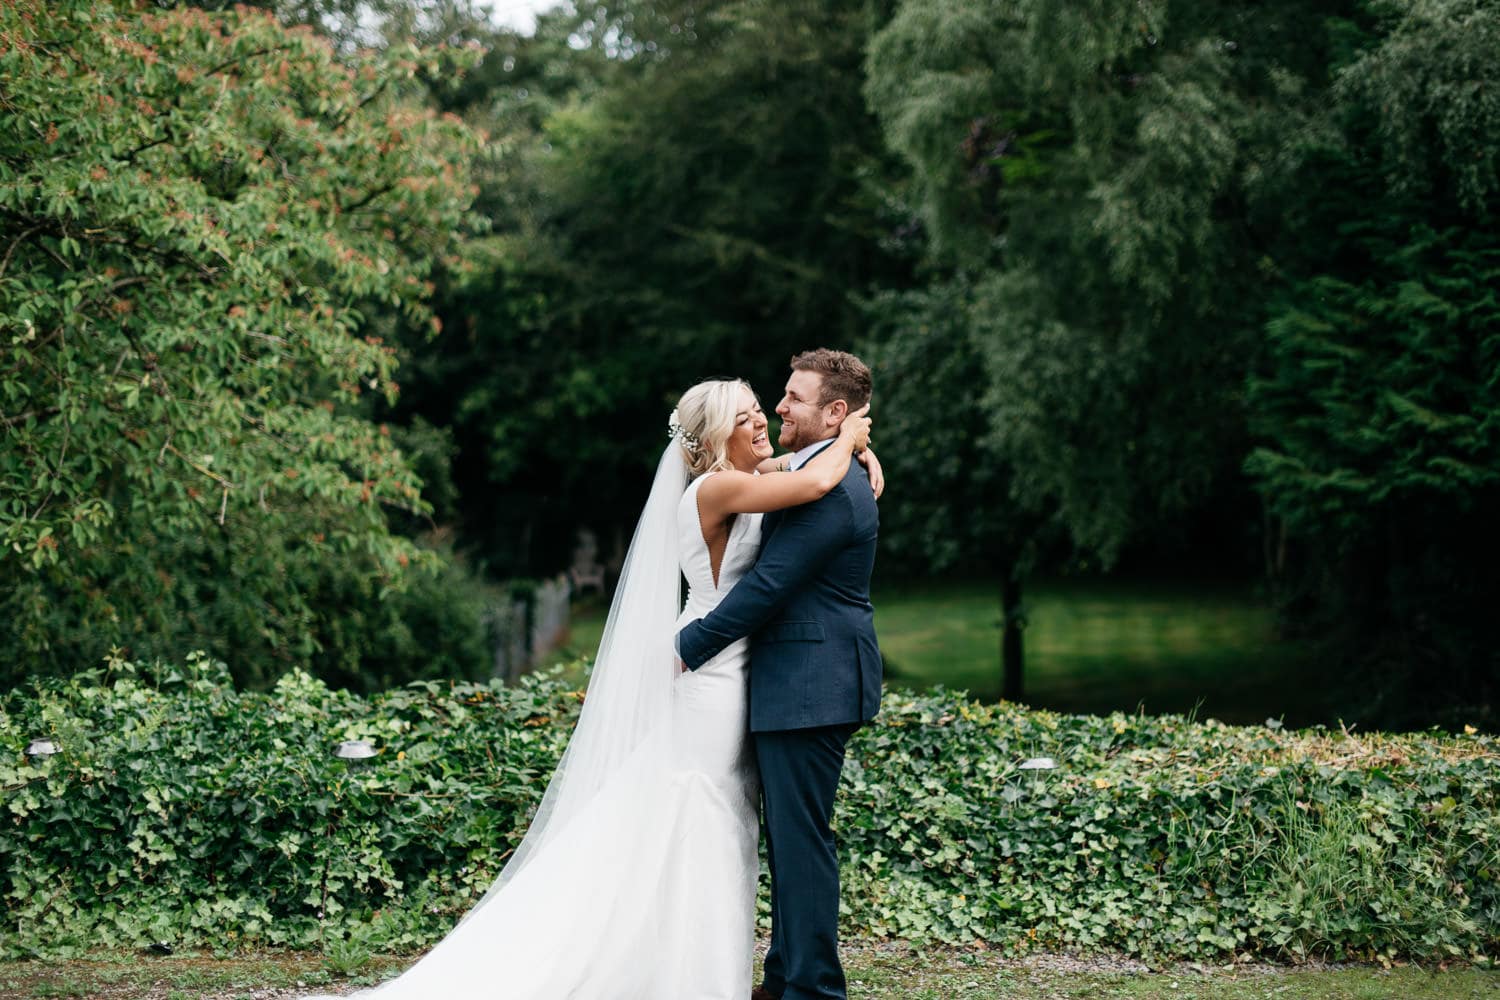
[[703, 421]]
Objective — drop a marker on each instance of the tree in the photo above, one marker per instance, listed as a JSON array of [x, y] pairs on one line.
[[355, 23], [948, 511], [686, 195], [1078, 173], [197, 211], [1375, 404]]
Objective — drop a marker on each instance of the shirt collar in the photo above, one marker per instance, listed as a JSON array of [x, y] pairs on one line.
[[800, 458]]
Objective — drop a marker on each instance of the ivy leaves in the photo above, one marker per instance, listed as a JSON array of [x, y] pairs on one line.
[[1153, 836]]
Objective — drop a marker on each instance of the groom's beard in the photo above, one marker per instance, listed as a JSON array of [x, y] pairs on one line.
[[800, 438]]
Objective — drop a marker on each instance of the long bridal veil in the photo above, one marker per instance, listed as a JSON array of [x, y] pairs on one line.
[[629, 696], [597, 818]]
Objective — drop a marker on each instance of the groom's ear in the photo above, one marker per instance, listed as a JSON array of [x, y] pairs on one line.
[[837, 411]]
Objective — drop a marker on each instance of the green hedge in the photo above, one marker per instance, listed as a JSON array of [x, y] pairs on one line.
[[183, 810]]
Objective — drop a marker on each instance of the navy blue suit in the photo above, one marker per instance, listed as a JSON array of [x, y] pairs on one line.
[[815, 673]]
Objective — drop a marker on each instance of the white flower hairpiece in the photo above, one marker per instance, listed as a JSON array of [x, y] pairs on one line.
[[676, 430]]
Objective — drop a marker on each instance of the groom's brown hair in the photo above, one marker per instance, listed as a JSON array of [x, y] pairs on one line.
[[844, 376]]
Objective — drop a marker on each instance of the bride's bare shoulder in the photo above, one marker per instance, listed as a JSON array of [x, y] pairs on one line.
[[715, 486]]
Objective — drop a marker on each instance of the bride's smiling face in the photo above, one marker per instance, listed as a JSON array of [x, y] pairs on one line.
[[748, 443]]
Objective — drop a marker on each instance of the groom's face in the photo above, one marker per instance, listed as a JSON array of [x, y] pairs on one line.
[[803, 421]]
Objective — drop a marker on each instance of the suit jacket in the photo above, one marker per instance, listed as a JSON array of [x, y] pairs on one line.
[[806, 606]]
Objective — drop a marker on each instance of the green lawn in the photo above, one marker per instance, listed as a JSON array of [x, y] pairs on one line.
[[1093, 647], [875, 972]]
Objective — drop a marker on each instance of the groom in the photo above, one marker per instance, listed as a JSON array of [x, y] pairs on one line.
[[814, 672]]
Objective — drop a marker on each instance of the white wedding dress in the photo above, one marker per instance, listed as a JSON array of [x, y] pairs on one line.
[[641, 885]]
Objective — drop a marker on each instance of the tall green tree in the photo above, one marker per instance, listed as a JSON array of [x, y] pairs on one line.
[[687, 195], [1376, 405], [197, 211], [1079, 173], [946, 510]]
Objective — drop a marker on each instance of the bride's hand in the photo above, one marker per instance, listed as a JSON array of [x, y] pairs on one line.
[[872, 467], [856, 428]]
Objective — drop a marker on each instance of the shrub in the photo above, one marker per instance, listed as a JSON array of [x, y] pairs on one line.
[[1163, 837], [364, 630], [181, 809]]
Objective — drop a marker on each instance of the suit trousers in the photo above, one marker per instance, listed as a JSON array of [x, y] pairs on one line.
[[799, 776]]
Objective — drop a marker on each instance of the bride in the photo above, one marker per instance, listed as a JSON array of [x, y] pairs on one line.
[[637, 877]]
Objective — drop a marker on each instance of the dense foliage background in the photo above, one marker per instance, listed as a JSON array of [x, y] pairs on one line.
[[204, 214], [183, 811], [318, 318]]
